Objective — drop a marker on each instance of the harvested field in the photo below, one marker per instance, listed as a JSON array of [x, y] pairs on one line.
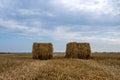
[[101, 66]]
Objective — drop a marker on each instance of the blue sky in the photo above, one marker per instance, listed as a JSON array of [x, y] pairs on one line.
[[23, 22]]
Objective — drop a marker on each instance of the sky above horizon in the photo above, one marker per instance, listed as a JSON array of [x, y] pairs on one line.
[[23, 22]]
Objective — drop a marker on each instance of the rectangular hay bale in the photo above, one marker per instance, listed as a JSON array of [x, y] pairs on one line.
[[42, 51], [78, 50]]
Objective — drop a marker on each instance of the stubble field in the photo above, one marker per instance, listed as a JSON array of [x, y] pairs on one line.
[[101, 66]]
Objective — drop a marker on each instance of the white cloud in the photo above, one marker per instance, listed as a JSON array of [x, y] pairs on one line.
[[35, 12], [8, 4], [68, 34], [64, 33], [11, 24], [28, 12], [95, 6], [25, 30], [1, 5], [50, 14]]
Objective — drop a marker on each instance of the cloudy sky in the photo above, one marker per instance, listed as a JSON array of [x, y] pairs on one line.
[[23, 22]]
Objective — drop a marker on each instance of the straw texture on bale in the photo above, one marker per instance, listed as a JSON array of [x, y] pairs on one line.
[[42, 51], [78, 50]]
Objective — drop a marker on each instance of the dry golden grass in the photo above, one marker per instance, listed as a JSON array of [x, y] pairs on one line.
[[23, 67]]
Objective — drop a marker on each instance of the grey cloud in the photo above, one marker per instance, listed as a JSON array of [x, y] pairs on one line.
[[56, 21]]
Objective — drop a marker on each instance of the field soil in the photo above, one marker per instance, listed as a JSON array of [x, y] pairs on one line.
[[101, 66]]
